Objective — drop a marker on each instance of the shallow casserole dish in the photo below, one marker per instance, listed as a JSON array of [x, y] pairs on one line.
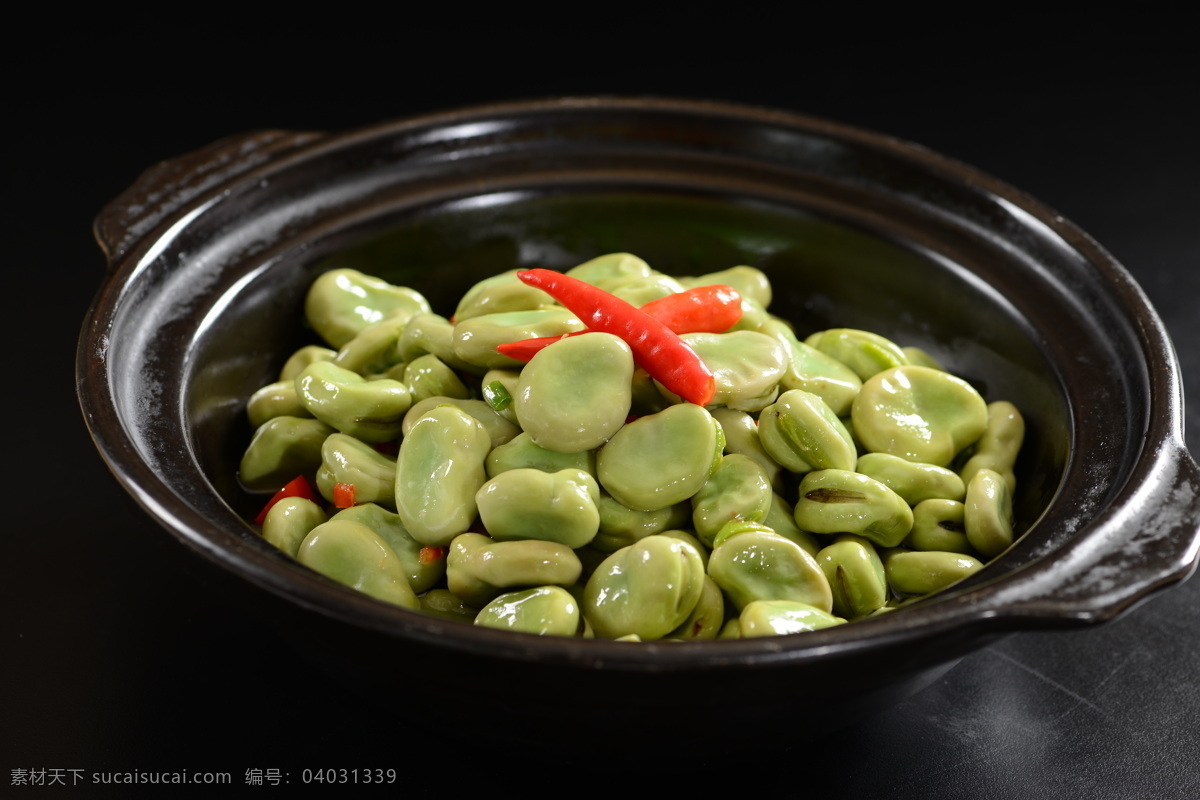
[[210, 255]]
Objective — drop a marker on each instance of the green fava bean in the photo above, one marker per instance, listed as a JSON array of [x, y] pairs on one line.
[[939, 525], [741, 436], [988, 513], [442, 603], [281, 449], [755, 317], [438, 471], [737, 489], [918, 413], [342, 302], [707, 617], [545, 611], [924, 572], [751, 283], [369, 410], [521, 452], [837, 501], [689, 538], [911, 480], [352, 554], [347, 460], [498, 294], [422, 574], [499, 429], [302, 358], [736, 526], [374, 348], [531, 504], [661, 459], [289, 521], [815, 372], [856, 577], [639, 291], [781, 518], [425, 334], [999, 445], [428, 376], [475, 339], [782, 617], [919, 358], [647, 589], [862, 351], [621, 526], [746, 366], [610, 268], [575, 394], [730, 630], [478, 568], [760, 565], [275, 400], [802, 433]]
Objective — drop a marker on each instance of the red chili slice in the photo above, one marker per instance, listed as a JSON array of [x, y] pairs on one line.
[[343, 495], [429, 555], [297, 487]]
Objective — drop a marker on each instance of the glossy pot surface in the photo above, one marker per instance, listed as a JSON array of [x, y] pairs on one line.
[[211, 254]]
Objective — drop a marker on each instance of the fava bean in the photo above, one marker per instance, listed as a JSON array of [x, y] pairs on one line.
[[281, 449], [912, 480], [999, 445], [438, 471], [351, 462], [531, 504], [923, 572], [856, 577], [802, 433], [352, 554], [781, 617], [647, 589], [988, 513], [545, 611], [918, 413], [760, 565], [289, 521], [574, 395], [478, 568], [342, 302], [838, 501], [662, 459], [422, 573], [369, 410]]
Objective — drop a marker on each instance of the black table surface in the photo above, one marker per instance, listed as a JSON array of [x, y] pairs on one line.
[[116, 660]]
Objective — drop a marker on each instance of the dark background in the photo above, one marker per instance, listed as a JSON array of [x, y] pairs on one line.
[[114, 657]]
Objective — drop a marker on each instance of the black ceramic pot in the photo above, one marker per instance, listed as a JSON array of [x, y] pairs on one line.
[[210, 256]]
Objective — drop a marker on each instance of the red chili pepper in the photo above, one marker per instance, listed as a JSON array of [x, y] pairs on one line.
[[526, 349], [430, 555], [343, 495], [297, 487], [656, 348], [704, 309]]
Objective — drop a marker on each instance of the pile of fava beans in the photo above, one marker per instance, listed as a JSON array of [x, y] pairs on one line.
[[616, 453]]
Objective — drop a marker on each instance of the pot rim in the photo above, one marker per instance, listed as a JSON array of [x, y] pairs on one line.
[[1157, 507]]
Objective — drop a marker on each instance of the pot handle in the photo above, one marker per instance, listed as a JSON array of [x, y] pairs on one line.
[[166, 187], [1147, 544]]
